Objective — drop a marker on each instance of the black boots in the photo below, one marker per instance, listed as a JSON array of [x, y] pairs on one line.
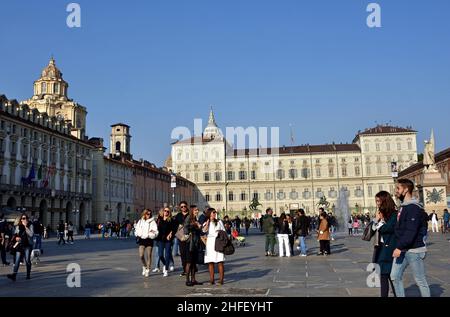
[[12, 277]]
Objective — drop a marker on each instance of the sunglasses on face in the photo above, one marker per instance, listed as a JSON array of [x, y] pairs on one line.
[[183, 206], [166, 210], [24, 218]]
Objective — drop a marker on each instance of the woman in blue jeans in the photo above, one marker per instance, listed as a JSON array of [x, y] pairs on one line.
[[386, 218], [22, 247], [167, 230]]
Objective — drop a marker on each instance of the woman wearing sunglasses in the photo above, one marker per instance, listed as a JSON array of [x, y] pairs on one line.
[[23, 238], [167, 230], [212, 227], [146, 232]]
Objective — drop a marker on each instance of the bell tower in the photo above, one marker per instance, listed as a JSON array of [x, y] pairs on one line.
[[120, 140]]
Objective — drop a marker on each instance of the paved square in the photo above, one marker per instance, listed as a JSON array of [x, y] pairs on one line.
[[112, 268]]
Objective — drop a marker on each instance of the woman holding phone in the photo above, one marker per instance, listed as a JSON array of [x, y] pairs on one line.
[[22, 245]]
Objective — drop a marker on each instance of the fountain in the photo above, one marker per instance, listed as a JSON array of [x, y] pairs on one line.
[[342, 211]]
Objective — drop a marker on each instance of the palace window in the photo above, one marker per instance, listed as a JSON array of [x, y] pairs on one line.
[[377, 146], [253, 175], [218, 176], [293, 194], [370, 190], [331, 172], [243, 196], [281, 195], [318, 172], [218, 196], [206, 177], [230, 196], [207, 197], [268, 195], [256, 195], [357, 170], [280, 174], [230, 176], [306, 194], [242, 175], [319, 193], [344, 171], [293, 173]]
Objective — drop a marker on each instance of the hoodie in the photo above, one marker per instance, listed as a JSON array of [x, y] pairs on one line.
[[411, 227]]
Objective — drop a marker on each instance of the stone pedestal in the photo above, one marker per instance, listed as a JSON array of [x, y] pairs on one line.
[[433, 192]]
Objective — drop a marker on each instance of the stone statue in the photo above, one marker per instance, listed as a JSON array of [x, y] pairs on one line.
[[428, 155]]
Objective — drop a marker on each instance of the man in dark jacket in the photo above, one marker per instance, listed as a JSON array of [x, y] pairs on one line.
[[301, 231], [268, 226], [409, 232], [179, 220]]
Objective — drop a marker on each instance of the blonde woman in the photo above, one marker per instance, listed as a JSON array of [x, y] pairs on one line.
[[167, 229], [146, 232]]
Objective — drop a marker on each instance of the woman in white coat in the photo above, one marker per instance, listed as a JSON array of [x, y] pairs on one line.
[[146, 231], [212, 226]]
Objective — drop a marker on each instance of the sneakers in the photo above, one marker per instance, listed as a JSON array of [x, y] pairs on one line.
[[144, 270], [171, 269], [303, 255], [165, 272], [147, 272], [156, 270]]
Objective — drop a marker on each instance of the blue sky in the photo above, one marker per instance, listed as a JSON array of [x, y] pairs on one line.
[[314, 64]]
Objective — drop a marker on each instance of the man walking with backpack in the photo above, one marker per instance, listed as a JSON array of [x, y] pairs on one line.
[[410, 230]]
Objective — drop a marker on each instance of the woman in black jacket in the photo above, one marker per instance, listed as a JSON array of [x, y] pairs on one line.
[[192, 228], [386, 219], [167, 230], [23, 237], [283, 235]]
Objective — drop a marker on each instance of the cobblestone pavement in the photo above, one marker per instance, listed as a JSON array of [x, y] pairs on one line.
[[111, 268]]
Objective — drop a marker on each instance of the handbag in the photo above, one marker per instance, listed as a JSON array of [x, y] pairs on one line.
[[180, 234], [368, 233], [229, 248]]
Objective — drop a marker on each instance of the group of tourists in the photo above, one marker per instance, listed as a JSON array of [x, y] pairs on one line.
[[201, 239], [287, 229]]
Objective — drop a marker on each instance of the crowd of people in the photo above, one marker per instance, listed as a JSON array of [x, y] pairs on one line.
[[398, 233], [197, 238]]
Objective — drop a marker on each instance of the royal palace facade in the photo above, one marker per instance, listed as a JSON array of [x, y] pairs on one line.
[[288, 178]]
